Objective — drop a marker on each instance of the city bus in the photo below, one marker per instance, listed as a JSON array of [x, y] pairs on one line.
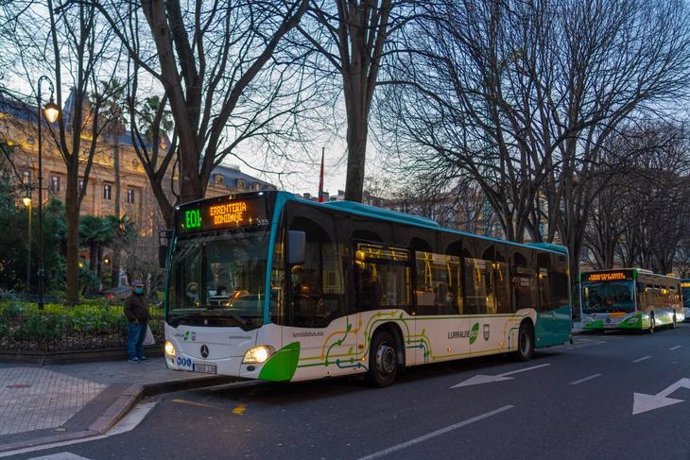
[[629, 299], [274, 287], [685, 288]]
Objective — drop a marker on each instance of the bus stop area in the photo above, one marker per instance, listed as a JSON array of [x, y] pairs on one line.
[[47, 404], [53, 403]]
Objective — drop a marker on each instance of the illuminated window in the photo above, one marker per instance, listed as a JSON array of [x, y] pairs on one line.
[[54, 184], [131, 193], [26, 177], [81, 184], [107, 191]]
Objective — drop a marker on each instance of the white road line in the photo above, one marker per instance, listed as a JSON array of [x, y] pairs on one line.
[[433, 434], [676, 347], [61, 456], [593, 376], [639, 360], [127, 423]]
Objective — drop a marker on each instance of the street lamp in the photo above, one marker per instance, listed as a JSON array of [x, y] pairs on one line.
[[51, 112], [27, 203]]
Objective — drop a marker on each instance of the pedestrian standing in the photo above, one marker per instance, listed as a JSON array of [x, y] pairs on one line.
[[137, 312]]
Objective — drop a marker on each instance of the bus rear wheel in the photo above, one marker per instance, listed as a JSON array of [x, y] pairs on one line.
[[383, 360], [525, 350]]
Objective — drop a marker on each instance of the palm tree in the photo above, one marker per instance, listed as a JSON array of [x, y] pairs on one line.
[[95, 233]]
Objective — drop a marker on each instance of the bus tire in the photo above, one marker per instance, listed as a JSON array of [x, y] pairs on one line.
[[525, 341], [383, 360]]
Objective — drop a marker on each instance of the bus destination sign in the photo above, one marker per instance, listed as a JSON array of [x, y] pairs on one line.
[[220, 215], [608, 276]]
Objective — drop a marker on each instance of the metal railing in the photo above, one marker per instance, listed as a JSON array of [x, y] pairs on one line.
[[99, 329]]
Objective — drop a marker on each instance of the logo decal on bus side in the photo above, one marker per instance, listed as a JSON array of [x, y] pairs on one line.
[[470, 334]]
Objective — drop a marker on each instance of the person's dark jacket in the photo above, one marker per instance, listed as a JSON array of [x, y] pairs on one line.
[[136, 310]]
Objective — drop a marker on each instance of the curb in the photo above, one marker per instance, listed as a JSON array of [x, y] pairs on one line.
[[127, 399]]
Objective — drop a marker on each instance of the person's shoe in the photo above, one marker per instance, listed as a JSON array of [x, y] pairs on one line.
[[133, 360], [143, 358]]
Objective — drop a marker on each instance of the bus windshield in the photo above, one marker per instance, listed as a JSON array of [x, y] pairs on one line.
[[218, 279], [608, 297]]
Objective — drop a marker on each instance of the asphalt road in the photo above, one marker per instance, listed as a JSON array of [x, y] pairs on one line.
[[607, 396]]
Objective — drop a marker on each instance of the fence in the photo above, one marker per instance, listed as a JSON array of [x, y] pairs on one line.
[[96, 328]]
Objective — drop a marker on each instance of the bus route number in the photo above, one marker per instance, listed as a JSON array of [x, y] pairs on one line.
[[184, 362]]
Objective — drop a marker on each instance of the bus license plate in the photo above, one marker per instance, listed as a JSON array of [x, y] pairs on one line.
[[205, 368]]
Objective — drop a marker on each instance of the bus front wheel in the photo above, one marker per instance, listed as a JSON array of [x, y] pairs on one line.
[[383, 360], [525, 350]]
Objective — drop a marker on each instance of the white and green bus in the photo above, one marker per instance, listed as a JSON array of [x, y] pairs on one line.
[[629, 299], [271, 286]]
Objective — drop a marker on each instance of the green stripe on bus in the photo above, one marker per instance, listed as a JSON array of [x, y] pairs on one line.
[[282, 365]]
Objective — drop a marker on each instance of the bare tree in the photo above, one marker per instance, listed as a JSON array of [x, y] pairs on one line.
[[635, 220], [73, 45], [353, 41], [523, 96], [227, 77]]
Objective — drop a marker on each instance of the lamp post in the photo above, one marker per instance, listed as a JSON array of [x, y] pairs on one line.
[[52, 112], [27, 203]]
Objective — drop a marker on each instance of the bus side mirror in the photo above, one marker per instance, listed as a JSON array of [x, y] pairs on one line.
[[162, 255], [296, 243]]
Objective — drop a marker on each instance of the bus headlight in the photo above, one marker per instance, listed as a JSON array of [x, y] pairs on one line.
[[258, 355], [169, 349]]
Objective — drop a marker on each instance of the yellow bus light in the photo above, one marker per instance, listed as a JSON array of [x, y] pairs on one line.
[[169, 349], [258, 355]]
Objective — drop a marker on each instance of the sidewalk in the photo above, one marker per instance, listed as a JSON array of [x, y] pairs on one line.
[[61, 402]]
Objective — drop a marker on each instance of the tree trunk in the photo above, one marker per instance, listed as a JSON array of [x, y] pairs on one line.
[[72, 218], [356, 157]]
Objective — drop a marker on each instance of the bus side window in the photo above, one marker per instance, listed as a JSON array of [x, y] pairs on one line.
[[316, 287]]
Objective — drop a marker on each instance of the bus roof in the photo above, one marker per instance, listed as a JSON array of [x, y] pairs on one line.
[[381, 213], [404, 218]]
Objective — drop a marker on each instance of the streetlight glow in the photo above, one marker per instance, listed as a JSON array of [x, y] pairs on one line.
[[51, 111]]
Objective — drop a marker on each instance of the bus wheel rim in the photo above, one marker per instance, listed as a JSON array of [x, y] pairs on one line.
[[385, 359]]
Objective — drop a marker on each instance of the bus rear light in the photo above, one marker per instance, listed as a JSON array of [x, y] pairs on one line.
[[258, 355], [169, 349]]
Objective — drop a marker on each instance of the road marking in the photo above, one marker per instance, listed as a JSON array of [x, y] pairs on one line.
[[643, 402], [676, 347], [433, 434], [61, 456], [479, 379], [593, 376], [639, 360], [127, 423]]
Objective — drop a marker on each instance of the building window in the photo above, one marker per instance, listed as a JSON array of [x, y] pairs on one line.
[[240, 183], [81, 185], [130, 195], [219, 179], [107, 191], [54, 184]]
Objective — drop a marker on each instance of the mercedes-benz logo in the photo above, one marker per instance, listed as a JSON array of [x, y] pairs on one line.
[[204, 351]]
